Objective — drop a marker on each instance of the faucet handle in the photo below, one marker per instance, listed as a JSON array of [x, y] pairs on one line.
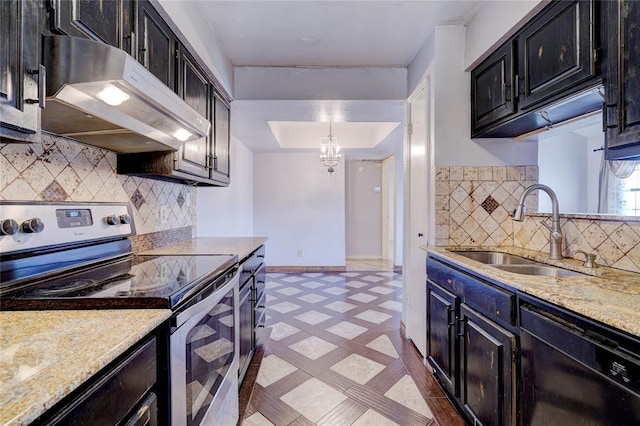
[[589, 258]]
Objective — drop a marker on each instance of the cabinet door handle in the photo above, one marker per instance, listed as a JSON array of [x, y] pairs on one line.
[[461, 323], [133, 47], [507, 92], [42, 86]]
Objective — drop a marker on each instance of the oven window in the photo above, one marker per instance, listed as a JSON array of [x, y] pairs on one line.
[[210, 352]]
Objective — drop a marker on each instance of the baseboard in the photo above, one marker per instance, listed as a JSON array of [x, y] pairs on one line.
[[303, 269], [364, 257]]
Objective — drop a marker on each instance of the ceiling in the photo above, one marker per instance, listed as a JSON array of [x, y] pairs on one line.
[[325, 33], [328, 33]]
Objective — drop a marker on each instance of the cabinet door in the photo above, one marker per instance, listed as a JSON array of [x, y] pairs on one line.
[[194, 89], [221, 123], [492, 89], [487, 370], [556, 52], [156, 44], [108, 21], [19, 73], [441, 335], [623, 79]]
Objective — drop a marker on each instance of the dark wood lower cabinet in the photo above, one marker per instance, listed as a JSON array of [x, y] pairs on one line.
[[441, 336], [487, 370]]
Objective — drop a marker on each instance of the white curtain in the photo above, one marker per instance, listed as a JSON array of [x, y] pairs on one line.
[[612, 172]]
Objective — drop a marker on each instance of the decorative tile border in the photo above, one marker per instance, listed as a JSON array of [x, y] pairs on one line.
[[474, 205], [59, 169], [144, 242]]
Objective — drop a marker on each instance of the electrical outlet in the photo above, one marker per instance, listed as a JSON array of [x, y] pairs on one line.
[[299, 252], [164, 214]]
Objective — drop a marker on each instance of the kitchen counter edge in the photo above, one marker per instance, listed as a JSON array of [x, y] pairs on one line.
[[239, 246], [610, 295]]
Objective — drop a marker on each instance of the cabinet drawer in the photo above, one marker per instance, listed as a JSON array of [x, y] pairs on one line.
[[492, 301], [251, 264]]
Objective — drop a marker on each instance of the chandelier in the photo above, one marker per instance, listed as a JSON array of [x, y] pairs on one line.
[[330, 155]]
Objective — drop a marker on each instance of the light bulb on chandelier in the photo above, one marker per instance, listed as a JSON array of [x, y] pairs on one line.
[[330, 154]]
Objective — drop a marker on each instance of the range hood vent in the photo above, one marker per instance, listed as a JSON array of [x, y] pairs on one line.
[[101, 96]]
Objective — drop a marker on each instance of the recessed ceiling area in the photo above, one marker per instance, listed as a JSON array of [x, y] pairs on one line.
[[351, 135]]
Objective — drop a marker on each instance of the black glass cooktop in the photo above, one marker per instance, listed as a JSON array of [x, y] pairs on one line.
[[131, 282]]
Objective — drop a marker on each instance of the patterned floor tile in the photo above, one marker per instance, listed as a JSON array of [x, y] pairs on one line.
[[347, 330], [282, 330], [289, 291], [275, 368], [362, 297], [406, 393], [394, 305], [257, 419], [340, 306], [335, 290], [373, 316], [358, 368], [382, 290], [335, 358], [313, 274], [313, 399], [313, 347], [284, 307], [313, 317], [371, 418], [312, 298]]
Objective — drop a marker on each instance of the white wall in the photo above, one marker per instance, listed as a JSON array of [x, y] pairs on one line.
[[294, 83], [363, 209], [562, 165], [228, 211], [299, 207]]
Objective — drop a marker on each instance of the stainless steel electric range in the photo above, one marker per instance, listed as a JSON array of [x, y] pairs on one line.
[[79, 256]]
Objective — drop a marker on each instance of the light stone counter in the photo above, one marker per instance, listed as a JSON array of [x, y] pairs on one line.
[[44, 355], [611, 296], [240, 246]]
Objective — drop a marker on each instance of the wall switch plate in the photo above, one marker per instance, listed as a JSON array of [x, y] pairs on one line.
[[299, 252]]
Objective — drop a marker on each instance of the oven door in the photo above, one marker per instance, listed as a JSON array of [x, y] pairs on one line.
[[204, 360]]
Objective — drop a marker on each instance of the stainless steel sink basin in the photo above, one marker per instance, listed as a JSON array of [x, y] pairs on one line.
[[516, 264], [539, 269], [495, 258]]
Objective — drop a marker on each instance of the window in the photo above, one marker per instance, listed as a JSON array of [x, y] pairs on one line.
[[630, 194]]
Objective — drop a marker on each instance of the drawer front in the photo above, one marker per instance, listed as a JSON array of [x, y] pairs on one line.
[[494, 302], [251, 264]]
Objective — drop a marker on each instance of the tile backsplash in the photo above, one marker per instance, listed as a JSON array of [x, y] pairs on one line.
[[58, 169], [474, 205]]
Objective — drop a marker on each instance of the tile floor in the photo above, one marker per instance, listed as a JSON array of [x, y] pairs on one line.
[[335, 356]]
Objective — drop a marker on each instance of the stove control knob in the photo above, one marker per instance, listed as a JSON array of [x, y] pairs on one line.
[[112, 219], [9, 227], [32, 226], [125, 219]]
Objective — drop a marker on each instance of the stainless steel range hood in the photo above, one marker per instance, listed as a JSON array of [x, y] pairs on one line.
[[101, 96]]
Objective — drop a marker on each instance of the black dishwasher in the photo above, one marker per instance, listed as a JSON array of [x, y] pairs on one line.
[[576, 371]]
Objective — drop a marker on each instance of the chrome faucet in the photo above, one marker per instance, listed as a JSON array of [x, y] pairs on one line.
[[555, 238]]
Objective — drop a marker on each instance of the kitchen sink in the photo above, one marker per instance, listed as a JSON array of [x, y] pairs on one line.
[[516, 264], [539, 269], [496, 258]]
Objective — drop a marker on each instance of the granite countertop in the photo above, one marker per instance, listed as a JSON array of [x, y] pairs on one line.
[[44, 355], [240, 246], [611, 296]]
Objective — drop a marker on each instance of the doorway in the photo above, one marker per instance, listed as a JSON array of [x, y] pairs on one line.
[[416, 188]]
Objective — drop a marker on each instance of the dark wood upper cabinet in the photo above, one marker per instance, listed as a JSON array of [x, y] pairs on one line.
[[20, 72], [492, 88], [622, 117], [193, 156], [156, 44], [221, 171], [108, 21], [556, 52]]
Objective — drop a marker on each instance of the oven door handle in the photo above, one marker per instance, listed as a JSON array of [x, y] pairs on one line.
[[205, 304]]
